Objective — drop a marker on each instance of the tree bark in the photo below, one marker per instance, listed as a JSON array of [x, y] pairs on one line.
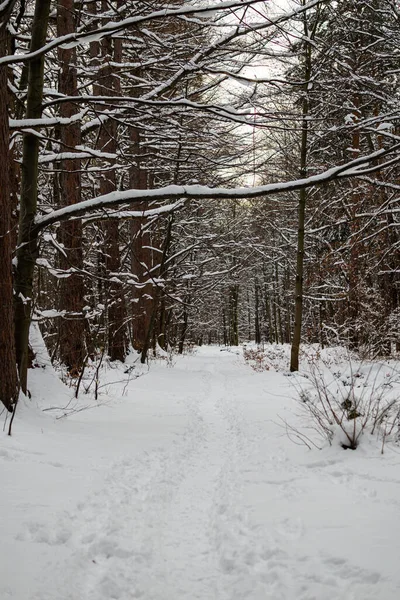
[[142, 300], [72, 350], [233, 315], [157, 294], [27, 251], [8, 379], [298, 313], [116, 313], [257, 312], [184, 328]]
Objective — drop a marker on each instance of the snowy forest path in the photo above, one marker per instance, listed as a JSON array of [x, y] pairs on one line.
[[165, 511], [166, 523], [188, 488]]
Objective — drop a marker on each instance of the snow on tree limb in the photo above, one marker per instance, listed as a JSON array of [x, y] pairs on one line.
[[5, 10], [189, 192], [137, 214], [111, 28], [47, 121]]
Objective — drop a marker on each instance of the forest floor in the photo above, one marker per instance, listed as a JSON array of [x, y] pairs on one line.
[[183, 484]]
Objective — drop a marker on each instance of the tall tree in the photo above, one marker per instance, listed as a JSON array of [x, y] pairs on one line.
[[27, 251], [71, 289], [8, 379], [306, 72]]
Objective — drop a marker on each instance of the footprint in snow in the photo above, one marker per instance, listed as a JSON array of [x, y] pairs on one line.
[[345, 570], [42, 534], [291, 529], [6, 454]]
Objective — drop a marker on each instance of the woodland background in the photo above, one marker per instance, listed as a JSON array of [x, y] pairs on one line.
[[104, 105]]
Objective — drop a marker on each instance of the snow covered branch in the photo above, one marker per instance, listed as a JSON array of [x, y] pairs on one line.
[[189, 192], [111, 28]]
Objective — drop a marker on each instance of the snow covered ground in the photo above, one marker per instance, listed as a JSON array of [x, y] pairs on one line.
[[182, 484]]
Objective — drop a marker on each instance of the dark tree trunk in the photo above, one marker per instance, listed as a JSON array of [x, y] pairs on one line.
[[116, 313], [157, 293], [72, 349], [233, 315], [27, 238], [8, 379], [142, 303], [298, 312], [354, 261], [257, 313], [116, 305], [224, 327], [162, 324], [270, 334], [184, 328]]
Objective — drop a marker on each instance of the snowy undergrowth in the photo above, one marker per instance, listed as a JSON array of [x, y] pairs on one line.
[[182, 484], [354, 400], [341, 397]]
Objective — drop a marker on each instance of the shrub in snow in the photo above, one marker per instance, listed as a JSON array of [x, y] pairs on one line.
[[344, 407], [256, 358], [264, 357]]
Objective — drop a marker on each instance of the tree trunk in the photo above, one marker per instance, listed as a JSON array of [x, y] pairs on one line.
[[157, 293], [233, 315], [224, 326], [72, 349], [140, 254], [257, 313], [110, 85], [27, 238], [8, 379], [268, 317], [354, 260], [184, 328], [298, 313]]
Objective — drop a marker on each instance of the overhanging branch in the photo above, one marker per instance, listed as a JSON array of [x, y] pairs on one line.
[[173, 193], [111, 28]]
